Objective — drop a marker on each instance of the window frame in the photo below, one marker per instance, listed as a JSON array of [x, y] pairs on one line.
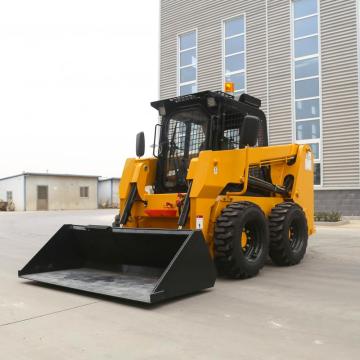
[[178, 64], [86, 187], [294, 101], [223, 53]]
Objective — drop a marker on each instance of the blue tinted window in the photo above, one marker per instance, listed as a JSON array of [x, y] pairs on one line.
[[307, 26], [238, 80], [306, 68], [304, 7], [315, 150], [307, 46], [234, 63], [317, 174], [234, 26], [309, 129], [188, 57], [307, 88], [187, 74], [306, 109], [234, 45], [187, 89], [188, 40]]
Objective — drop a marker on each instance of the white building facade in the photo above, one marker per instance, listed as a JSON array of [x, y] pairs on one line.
[[37, 191], [108, 193]]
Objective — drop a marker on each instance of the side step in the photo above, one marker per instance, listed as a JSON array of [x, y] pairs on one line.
[[146, 265]]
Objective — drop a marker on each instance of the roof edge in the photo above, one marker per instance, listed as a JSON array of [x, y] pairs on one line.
[[50, 174]]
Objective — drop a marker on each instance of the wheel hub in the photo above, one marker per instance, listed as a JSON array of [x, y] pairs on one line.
[[244, 239]]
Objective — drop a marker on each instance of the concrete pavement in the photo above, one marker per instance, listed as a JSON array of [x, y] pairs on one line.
[[309, 311]]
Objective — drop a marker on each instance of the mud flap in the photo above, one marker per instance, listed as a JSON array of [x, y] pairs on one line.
[[146, 265]]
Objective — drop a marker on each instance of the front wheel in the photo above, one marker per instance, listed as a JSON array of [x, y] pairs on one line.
[[241, 240]]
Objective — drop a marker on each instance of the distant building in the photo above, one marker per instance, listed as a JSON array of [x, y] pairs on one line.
[[108, 193], [43, 191]]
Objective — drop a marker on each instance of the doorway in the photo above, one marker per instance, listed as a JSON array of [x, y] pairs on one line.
[[42, 197]]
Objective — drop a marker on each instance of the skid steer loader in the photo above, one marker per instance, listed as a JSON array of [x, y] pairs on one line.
[[213, 197]]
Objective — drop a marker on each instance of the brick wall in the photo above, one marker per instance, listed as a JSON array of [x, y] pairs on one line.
[[347, 202]]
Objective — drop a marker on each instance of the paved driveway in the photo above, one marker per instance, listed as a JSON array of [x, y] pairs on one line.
[[310, 311]]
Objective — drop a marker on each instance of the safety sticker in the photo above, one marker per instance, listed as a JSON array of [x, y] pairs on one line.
[[199, 222]]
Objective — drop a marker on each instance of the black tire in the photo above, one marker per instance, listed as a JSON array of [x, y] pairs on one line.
[[288, 234], [116, 222], [232, 258]]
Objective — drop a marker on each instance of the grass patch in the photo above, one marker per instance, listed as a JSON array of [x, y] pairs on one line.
[[332, 216]]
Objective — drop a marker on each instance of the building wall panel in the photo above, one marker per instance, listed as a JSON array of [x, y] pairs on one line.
[[340, 86], [108, 193], [16, 185], [63, 192], [183, 15], [280, 98], [269, 72]]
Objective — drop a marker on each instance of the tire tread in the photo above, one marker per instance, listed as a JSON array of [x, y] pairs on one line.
[[224, 233], [277, 250]]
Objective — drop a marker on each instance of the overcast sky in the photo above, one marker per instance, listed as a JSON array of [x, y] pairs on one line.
[[76, 80]]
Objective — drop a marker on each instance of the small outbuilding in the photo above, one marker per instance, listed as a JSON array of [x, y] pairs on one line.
[[108, 192], [45, 191]]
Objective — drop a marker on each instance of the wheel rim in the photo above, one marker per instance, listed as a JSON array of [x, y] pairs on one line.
[[295, 235], [251, 243], [244, 239]]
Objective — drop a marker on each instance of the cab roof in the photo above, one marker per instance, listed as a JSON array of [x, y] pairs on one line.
[[212, 99]]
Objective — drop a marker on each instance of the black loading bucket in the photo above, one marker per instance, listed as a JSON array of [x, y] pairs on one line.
[[146, 265]]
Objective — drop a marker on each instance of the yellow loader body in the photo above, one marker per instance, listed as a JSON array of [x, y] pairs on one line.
[[209, 172], [215, 200]]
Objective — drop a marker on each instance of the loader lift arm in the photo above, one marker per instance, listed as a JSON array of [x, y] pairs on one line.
[[129, 203]]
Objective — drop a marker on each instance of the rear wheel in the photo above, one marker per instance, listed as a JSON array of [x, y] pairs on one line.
[[288, 234], [241, 240]]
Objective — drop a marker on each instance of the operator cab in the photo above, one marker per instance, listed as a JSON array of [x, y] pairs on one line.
[[202, 121]]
